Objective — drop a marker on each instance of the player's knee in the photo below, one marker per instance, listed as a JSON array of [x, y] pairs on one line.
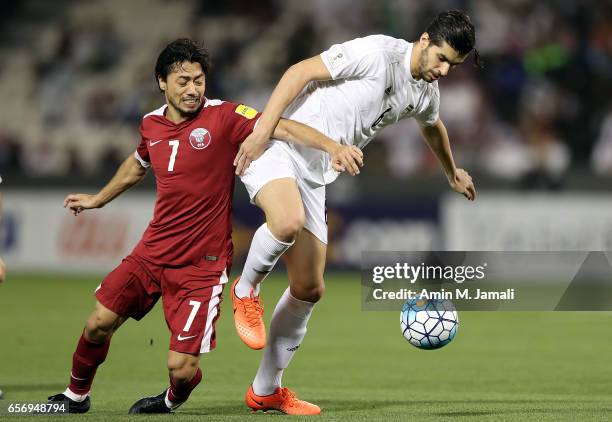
[[182, 367], [313, 292], [287, 228], [100, 328], [101, 325], [316, 293]]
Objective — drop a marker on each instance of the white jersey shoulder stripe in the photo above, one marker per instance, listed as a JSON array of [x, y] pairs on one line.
[[157, 112], [209, 103]]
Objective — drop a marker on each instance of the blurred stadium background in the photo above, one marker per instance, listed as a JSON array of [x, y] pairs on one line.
[[534, 127]]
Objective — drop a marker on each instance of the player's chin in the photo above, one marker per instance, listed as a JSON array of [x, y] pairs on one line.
[[190, 109]]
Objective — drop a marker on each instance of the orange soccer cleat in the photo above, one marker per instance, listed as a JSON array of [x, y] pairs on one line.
[[248, 319], [283, 400]]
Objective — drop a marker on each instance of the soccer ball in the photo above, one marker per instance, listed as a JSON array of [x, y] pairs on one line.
[[429, 323]]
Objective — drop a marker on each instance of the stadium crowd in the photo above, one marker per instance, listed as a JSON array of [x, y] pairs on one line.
[[76, 87]]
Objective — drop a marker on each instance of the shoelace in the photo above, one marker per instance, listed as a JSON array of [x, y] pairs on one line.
[[289, 397], [253, 310]]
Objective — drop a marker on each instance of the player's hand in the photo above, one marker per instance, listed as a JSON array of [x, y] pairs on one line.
[[250, 150], [347, 158], [77, 202], [463, 184]]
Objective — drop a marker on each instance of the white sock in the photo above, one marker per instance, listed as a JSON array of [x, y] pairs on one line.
[[287, 330], [263, 255], [74, 396]]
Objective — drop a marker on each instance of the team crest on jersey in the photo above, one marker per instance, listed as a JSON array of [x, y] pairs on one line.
[[200, 138]]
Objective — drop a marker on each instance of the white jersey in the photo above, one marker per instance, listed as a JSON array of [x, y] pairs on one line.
[[371, 88]]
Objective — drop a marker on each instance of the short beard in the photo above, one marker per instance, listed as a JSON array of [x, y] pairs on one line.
[[184, 113], [423, 62], [190, 113]]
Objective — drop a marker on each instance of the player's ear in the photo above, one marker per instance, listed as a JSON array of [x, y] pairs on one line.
[[162, 84], [424, 40]]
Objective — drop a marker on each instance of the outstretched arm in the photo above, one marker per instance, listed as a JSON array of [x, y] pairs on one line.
[[344, 158], [459, 179], [291, 84], [129, 173]]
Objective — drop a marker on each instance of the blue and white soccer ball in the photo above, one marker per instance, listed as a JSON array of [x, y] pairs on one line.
[[429, 323]]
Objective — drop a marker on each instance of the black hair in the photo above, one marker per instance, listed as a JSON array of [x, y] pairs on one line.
[[178, 51], [456, 28]]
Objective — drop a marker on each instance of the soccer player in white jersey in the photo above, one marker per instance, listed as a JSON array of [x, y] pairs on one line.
[[350, 93]]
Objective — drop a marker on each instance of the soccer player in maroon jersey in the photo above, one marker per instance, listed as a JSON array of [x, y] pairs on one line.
[[185, 253]]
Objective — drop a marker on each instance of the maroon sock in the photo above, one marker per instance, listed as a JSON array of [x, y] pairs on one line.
[[179, 393], [85, 361]]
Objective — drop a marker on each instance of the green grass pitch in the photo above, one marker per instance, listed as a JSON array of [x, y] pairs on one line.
[[356, 365]]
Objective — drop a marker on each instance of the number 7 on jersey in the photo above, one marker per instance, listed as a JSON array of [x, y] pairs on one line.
[[174, 144]]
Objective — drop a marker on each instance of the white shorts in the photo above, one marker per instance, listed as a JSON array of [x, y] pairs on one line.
[[277, 163]]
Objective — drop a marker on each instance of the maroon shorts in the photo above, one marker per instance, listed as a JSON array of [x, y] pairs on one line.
[[190, 295]]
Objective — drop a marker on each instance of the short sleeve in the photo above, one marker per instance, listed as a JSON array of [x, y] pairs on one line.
[[242, 119], [142, 152], [357, 58], [431, 114]]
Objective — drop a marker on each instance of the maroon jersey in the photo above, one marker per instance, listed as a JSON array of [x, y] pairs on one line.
[[194, 174]]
